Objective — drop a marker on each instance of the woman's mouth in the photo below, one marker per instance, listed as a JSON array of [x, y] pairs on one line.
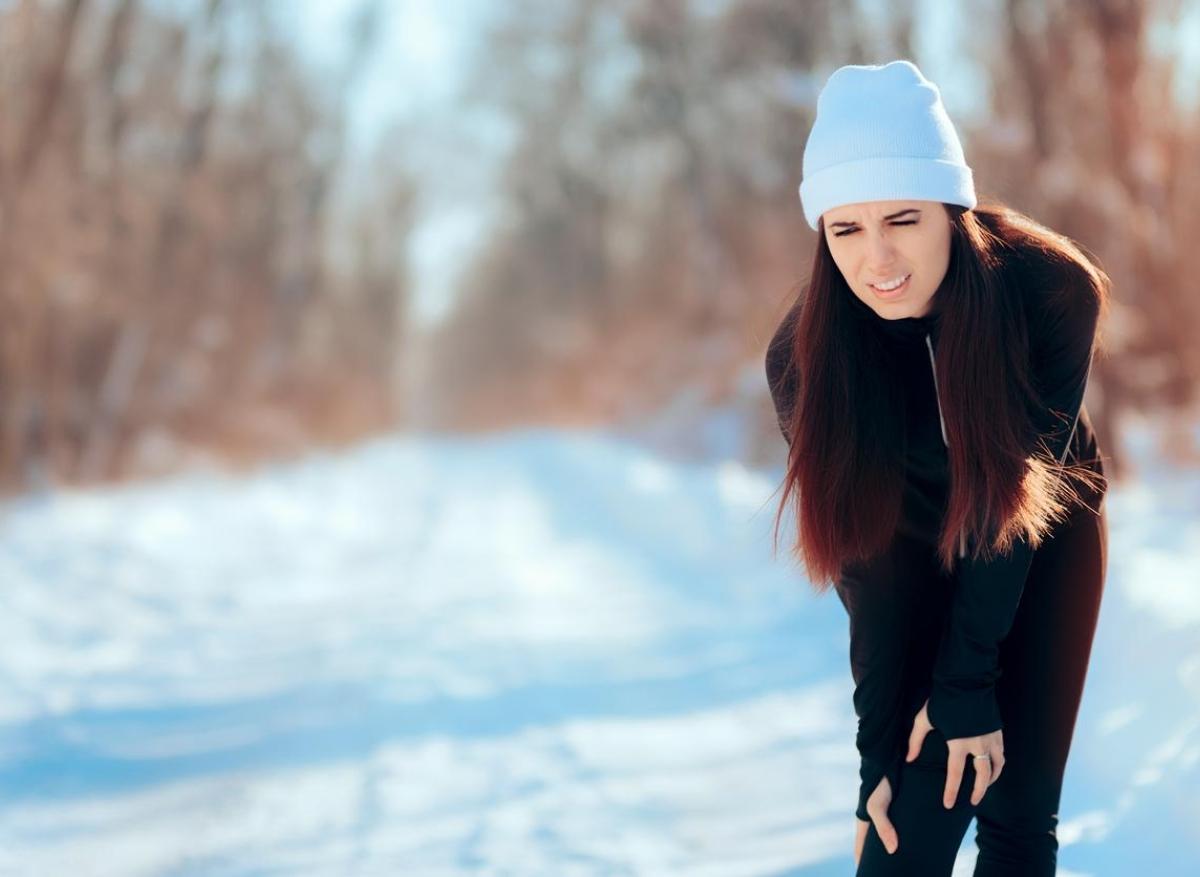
[[891, 293]]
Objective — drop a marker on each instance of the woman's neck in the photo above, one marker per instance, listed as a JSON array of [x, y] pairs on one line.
[[900, 328]]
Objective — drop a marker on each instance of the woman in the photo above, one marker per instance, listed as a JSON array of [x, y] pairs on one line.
[[945, 476]]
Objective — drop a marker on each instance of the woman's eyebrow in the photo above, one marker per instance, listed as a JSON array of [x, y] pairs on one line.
[[889, 216]]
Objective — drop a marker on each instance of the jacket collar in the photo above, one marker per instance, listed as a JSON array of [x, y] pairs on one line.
[[904, 330]]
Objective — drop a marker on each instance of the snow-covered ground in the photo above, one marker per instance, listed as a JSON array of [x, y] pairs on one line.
[[546, 653]]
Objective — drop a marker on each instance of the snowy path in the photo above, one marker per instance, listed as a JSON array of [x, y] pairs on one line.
[[544, 654]]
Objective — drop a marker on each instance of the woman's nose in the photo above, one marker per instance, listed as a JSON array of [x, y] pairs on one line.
[[880, 251]]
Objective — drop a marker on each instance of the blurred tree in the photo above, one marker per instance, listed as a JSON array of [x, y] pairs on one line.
[[1101, 137], [167, 279], [177, 270], [646, 205]]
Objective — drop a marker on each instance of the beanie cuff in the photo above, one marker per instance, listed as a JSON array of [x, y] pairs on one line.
[[886, 178]]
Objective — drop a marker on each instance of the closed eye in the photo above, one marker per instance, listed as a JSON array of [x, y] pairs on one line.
[[841, 234]]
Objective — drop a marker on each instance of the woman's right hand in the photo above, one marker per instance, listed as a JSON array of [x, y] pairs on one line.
[[877, 808]]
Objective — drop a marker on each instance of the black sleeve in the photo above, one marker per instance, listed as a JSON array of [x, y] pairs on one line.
[[781, 371], [878, 603], [962, 701]]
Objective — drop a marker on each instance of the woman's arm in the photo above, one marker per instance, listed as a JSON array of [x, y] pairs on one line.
[[877, 608], [962, 702]]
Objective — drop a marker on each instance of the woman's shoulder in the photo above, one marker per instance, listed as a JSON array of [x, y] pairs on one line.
[[1061, 292], [779, 349], [1059, 281], [782, 374]]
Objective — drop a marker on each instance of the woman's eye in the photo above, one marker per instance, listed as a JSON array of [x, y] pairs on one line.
[[842, 234]]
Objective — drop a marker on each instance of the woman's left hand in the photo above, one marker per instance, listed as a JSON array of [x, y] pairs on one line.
[[961, 748]]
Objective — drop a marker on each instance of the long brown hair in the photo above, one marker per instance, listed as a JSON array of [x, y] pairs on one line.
[[846, 432]]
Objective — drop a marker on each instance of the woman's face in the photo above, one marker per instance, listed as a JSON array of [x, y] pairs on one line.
[[878, 242]]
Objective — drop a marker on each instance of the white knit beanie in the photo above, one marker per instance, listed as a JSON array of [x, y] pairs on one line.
[[882, 134]]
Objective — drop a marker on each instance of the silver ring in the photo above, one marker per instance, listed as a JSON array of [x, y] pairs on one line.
[[984, 757]]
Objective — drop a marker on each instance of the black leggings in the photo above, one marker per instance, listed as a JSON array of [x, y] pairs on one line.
[[1044, 663]]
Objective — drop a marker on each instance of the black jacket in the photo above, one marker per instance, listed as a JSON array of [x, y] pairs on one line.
[[985, 594]]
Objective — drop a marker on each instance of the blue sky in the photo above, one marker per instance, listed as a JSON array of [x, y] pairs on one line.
[[417, 60], [416, 68]]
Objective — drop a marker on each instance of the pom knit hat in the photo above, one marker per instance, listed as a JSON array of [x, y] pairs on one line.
[[882, 134]]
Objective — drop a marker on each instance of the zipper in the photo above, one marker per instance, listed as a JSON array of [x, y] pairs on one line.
[[962, 542], [933, 365]]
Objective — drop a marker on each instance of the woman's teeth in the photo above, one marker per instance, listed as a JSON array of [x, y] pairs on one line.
[[893, 289], [891, 284]]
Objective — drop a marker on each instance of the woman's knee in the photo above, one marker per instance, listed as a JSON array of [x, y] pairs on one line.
[[930, 835]]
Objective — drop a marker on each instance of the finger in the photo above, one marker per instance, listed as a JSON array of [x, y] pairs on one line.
[[997, 766], [886, 831], [983, 776], [954, 772], [915, 740]]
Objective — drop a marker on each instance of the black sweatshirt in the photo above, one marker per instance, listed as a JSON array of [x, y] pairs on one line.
[[985, 595]]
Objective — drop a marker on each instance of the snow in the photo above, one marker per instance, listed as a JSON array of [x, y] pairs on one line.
[[542, 653]]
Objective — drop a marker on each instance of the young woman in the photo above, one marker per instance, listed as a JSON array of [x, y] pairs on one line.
[[945, 477]]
